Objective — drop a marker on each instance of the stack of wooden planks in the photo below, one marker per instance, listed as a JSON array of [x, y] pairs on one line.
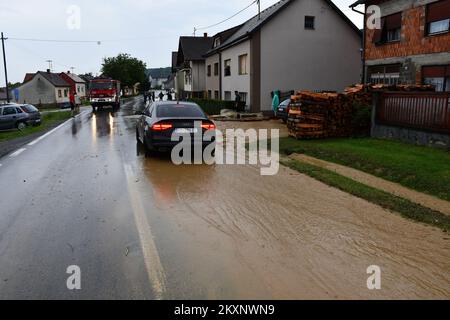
[[322, 115]]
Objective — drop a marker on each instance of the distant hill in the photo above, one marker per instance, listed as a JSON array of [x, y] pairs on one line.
[[158, 73]]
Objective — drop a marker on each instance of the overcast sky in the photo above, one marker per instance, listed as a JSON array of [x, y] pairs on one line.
[[146, 29]]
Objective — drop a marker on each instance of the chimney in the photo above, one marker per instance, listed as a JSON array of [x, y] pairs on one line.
[[68, 72], [205, 35], [48, 70]]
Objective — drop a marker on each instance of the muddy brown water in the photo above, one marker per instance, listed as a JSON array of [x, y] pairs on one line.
[[291, 237]]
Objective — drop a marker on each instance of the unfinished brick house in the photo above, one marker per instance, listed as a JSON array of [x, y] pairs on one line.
[[413, 44]]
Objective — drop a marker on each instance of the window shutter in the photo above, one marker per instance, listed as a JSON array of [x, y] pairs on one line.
[[438, 11], [434, 71], [393, 21]]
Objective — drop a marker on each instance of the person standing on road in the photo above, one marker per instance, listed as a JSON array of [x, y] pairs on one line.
[[169, 96], [275, 102], [72, 103], [161, 96]]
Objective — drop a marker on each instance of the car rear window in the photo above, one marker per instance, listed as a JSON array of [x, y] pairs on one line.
[[179, 111], [29, 108]]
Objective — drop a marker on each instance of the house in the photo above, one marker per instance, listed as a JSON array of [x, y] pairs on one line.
[[158, 76], [77, 84], [190, 66], [213, 65], [43, 88], [88, 77], [292, 45], [413, 44]]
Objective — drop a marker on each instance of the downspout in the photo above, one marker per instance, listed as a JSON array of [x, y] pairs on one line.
[[363, 58]]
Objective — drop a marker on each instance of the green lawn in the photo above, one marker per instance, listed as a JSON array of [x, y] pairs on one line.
[[405, 208], [48, 120], [421, 168]]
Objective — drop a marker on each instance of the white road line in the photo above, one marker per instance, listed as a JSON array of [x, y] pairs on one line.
[[155, 271], [15, 154], [51, 131]]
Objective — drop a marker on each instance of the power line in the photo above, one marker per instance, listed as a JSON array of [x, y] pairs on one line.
[[223, 21], [54, 40]]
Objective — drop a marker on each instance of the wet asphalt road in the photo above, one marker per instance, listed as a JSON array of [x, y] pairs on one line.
[[145, 229]]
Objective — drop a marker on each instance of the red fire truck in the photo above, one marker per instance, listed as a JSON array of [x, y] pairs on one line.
[[104, 92]]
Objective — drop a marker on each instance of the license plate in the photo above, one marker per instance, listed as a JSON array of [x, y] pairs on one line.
[[38, 120], [280, 109], [101, 100], [186, 130]]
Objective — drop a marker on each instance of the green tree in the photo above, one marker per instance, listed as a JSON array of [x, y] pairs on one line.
[[126, 69]]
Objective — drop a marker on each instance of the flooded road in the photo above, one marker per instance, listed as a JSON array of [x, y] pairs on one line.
[[143, 228]]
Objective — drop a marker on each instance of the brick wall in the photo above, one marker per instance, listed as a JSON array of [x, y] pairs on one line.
[[413, 41]]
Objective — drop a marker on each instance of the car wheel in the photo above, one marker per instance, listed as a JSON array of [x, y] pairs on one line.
[[21, 125]]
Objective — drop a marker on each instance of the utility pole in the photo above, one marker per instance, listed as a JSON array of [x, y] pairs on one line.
[[195, 31], [72, 68], [6, 70]]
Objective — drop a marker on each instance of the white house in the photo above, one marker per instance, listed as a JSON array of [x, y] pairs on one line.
[[292, 45]]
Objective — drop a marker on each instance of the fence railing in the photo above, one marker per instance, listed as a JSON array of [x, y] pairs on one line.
[[417, 110]]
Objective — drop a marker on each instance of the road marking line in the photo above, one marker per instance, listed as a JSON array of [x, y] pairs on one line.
[[15, 154], [53, 130], [152, 261]]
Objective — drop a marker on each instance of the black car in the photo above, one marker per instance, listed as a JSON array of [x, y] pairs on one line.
[[283, 110], [161, 119]]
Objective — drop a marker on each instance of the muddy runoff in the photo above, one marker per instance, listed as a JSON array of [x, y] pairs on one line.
[[247, 236]]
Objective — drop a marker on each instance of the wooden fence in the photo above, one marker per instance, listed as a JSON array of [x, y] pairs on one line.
[[417, 110]]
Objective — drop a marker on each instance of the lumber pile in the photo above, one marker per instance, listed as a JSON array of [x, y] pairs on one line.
[[324, 115], [319, 115]]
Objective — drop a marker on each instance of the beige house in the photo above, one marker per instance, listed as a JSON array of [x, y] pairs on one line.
[[44, 88], [190, 78], [292, 45]]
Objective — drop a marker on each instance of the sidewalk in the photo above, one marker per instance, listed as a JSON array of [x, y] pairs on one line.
[[378, 183]]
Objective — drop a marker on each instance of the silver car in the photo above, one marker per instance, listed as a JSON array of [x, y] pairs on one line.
[[12, 116]]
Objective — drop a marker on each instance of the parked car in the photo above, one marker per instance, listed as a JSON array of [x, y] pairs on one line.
[[283, 110], [161, 119], [34, 116], [12, 116]]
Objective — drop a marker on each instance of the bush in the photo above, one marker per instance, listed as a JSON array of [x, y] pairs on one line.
[[213, 107]]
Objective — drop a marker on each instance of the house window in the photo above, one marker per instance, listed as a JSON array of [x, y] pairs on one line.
[[216, 42], [390, 31], [243, 64], [59, 93], [227, 68], [227, 95], [216, 69], [216, 95], [209, 71], [65, 93], [438, 17], [243, 96], [209, 94], [438, 76], [78, 89], [310, 22], [385, 74]]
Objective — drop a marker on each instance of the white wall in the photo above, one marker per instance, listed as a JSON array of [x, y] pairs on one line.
[[212, 82], [292, 58], [198, 76], [236, 82]]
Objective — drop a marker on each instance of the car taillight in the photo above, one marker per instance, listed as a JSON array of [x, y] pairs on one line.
[[209, 126], [162, 126]]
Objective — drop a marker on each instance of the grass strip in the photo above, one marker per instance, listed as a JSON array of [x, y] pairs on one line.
[[49, 120]]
